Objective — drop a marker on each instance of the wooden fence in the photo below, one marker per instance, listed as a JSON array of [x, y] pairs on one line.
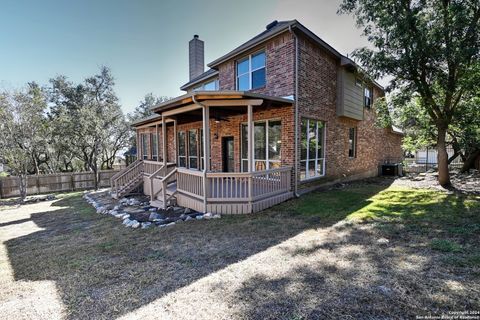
[[9, 186]]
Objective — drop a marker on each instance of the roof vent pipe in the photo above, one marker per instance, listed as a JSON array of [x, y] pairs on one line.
[[272, 24]]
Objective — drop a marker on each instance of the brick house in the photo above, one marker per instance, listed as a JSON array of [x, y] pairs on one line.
[[276, 115]]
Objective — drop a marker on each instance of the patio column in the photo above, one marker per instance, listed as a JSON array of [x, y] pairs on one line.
[[164, 139], [206, 152], [138, 146], [250, 138], [158, 142]]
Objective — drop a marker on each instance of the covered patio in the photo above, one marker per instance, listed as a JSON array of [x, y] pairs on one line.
[[212, 152]]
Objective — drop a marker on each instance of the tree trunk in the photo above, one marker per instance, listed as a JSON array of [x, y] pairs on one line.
[[470, 161], [23, 187], [442, 157]]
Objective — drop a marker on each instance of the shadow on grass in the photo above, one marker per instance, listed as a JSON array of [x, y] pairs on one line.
[[104, 270]]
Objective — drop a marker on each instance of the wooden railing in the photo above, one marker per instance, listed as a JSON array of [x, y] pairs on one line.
[[151, 166], [126, 177], [235, 186], [269, 183], [161, 173], [190, 182]]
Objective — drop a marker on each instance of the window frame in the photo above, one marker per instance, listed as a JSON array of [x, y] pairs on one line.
[[189, 154], [369, 97], [250, 70], [144, 142], [316, 159], [184, 156], [267, 135], [154, 146], [201, 87], [352, 145]]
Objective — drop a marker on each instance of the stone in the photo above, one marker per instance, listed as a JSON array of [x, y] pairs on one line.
[[187, 211], [383, 241], [199, 217], [146, 225], [208, 215], [152, 209], [217, 216], [100, 209], [154, 216], [170, 224], [188, 218], [135, 224], [126, 222], [113, 212]]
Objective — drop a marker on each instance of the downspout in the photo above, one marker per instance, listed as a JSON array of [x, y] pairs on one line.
[[205, 153], [295, 144]]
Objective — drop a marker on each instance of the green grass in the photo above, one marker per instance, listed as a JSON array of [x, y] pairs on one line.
[[414, 215]]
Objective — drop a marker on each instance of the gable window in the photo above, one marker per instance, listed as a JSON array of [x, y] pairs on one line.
[[182, 150], [352, 142], [251, 72], [193, 149], [208, 86], [267, 145], [368, 97], [144, 146], [312, 156]]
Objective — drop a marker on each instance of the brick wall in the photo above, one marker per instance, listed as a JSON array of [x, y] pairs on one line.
[[279, 67], [317, 100]]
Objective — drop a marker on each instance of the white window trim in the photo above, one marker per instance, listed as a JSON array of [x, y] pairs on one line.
[[178, 149], [189, 155], [370, 97], [250, 70], [154, 145], [267, 160], [307, 177]]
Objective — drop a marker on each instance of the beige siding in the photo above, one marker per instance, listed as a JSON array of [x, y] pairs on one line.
[[350, 96]]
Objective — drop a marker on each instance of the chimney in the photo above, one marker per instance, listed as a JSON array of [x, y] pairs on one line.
[[195, 55]]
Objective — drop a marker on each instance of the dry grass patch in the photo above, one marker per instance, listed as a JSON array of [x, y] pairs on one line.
[[314, 257]]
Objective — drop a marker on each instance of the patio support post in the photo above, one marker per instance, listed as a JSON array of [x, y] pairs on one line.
[[206, 153], [250, 153], [158, 142], [139, 153], [164, 140]]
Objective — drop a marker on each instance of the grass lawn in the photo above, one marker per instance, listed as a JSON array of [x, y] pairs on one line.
[[365, 251]]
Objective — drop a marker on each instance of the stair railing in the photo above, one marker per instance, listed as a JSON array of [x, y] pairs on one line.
[[124, 177]]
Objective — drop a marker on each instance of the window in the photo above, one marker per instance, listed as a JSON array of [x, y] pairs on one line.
[[352, 142], [193, 149], [368, 97], [208, 86], [312, 153], [153, 142], [358, 82], [251, 72], [267, 137], [182, 150], [144, 146]]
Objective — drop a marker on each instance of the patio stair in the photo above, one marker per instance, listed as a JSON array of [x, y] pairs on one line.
[[127, 180]]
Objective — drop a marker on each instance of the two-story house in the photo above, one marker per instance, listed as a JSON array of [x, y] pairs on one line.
[[279, 113]]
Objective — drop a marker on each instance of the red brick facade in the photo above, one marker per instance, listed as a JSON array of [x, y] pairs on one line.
[[317, 98]]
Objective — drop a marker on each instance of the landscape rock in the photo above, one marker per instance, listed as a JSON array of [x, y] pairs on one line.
[[199, 217], [146, 225], [126, 222], [135, 224], [208, 215], [187, 211], [188, 218], [383, 241], [217, 216]]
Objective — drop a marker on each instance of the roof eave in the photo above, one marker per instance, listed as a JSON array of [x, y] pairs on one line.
[[189, 84]]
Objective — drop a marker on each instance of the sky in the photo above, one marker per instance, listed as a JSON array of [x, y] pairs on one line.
[[144, 42]]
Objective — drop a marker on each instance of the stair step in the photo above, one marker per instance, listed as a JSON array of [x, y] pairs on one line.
[[157, 204]]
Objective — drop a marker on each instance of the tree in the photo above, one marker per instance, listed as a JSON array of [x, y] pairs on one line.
[[89, 119], [22, 131], [144, 109], [430, 48]]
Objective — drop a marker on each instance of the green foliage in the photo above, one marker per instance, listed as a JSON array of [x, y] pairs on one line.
[[445, 245], [431, 49], [144, 109]]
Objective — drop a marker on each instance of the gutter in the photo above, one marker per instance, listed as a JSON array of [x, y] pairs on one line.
[[295, 144]]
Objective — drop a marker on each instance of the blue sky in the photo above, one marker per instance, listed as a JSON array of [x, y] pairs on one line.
[[144, 42]]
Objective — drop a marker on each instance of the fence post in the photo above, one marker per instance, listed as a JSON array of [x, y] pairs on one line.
[[37, 183], [72, 181], [1, 188]]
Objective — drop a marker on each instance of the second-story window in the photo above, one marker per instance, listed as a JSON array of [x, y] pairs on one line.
[[368, 97], [251, 72], [207, 86]]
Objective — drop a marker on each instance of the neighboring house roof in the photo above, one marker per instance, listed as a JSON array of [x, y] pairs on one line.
[[204, 76]]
